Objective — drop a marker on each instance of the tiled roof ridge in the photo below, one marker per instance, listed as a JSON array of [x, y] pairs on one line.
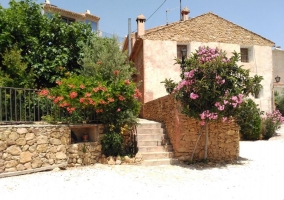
[[53, 7], [149, 31]]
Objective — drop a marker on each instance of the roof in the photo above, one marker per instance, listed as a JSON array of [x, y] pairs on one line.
[[205, 28], [67, 13]]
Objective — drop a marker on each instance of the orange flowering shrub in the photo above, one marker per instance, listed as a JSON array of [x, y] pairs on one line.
[[112, 102]]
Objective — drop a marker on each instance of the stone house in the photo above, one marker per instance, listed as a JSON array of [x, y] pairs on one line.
[[278, 68], [154, 51], [69, 16]]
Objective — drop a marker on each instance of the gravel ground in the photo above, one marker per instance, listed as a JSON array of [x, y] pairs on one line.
[[259, 174]]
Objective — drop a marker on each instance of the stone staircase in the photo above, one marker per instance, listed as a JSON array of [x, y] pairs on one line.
[[153, 144]]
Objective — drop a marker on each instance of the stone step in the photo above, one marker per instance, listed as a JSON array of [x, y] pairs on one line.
[[156, 155], [142, 130], [158, 137], [165, 148], [143, 123], [155, 162], [152, 142]]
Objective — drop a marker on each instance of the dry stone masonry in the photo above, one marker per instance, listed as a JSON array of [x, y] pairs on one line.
[[183, 132], [31, 147]]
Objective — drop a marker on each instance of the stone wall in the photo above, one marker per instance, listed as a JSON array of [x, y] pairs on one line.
[[86, 153], [183, 132], [31, 147]]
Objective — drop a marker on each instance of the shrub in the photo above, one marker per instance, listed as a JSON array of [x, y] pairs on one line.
[[112, 144], [279, 101], [249, 119], [271, 123]]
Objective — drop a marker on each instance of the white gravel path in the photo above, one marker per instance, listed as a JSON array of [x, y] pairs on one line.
[[259, 174]]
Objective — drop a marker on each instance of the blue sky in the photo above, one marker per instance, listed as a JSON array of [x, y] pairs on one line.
[[264, 17]]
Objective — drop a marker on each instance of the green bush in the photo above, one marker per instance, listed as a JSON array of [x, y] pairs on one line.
[[279, 101], [271, 123], [249, 119], [112, 144]]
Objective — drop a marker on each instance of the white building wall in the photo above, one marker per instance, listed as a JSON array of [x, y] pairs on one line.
[[160, 64]]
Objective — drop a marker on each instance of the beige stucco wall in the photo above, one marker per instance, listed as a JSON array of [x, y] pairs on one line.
[[159, 64], [278, 64]]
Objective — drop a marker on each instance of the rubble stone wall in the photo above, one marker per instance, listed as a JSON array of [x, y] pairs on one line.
[[183, 132], [31, 148]]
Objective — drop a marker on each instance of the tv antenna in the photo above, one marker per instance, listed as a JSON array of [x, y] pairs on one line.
[[168, 10]]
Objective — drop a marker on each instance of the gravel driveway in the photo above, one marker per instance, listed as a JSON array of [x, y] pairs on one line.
[[259, 174]]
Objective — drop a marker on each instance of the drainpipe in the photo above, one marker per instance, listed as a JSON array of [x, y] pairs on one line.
[[129, 36]]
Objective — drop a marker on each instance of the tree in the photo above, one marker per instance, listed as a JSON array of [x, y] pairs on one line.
[[49, 47], [212, 86], [102, 56]]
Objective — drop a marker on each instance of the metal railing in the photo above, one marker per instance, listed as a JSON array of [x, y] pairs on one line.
[[19, 105]]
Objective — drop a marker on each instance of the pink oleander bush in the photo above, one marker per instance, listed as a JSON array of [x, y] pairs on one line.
[[212, 85], [270, 123]]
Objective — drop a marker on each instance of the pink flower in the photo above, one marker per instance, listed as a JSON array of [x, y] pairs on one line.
[[202, 116], [82, 86], [118, 110], [193, 96], [224, 119], [127, 82]]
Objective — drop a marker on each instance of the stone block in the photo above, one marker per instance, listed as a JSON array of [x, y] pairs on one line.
[[13, 169], [25, 157], [42, 148], [31, 142], [28, 165], [14, 150], [3, 145], [13, 136], [11, 163], [21, 142], [37, 163], [60, 155], [30, 136], [20, 167], [55, 141], [42, 139], [22, 131]]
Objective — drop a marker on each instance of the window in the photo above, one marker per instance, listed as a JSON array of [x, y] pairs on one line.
[[244, 55], [67, 20], [179, 48]]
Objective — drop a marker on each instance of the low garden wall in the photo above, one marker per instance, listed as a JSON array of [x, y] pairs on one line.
[[183, 131], [31, 148]]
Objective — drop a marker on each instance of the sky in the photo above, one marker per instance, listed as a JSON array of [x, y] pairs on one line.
[[263, 17]]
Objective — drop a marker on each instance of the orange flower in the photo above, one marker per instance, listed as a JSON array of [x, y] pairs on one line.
[[57, 99], [70, 110], [121, 98], [88, 94], [137, 94], [110, 99], [58, 82], [127, 82], [44, 92], [73, 95]]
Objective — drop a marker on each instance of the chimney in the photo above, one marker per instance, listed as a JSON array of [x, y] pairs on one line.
[[88, 11], [184, 14], [140, 25]]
